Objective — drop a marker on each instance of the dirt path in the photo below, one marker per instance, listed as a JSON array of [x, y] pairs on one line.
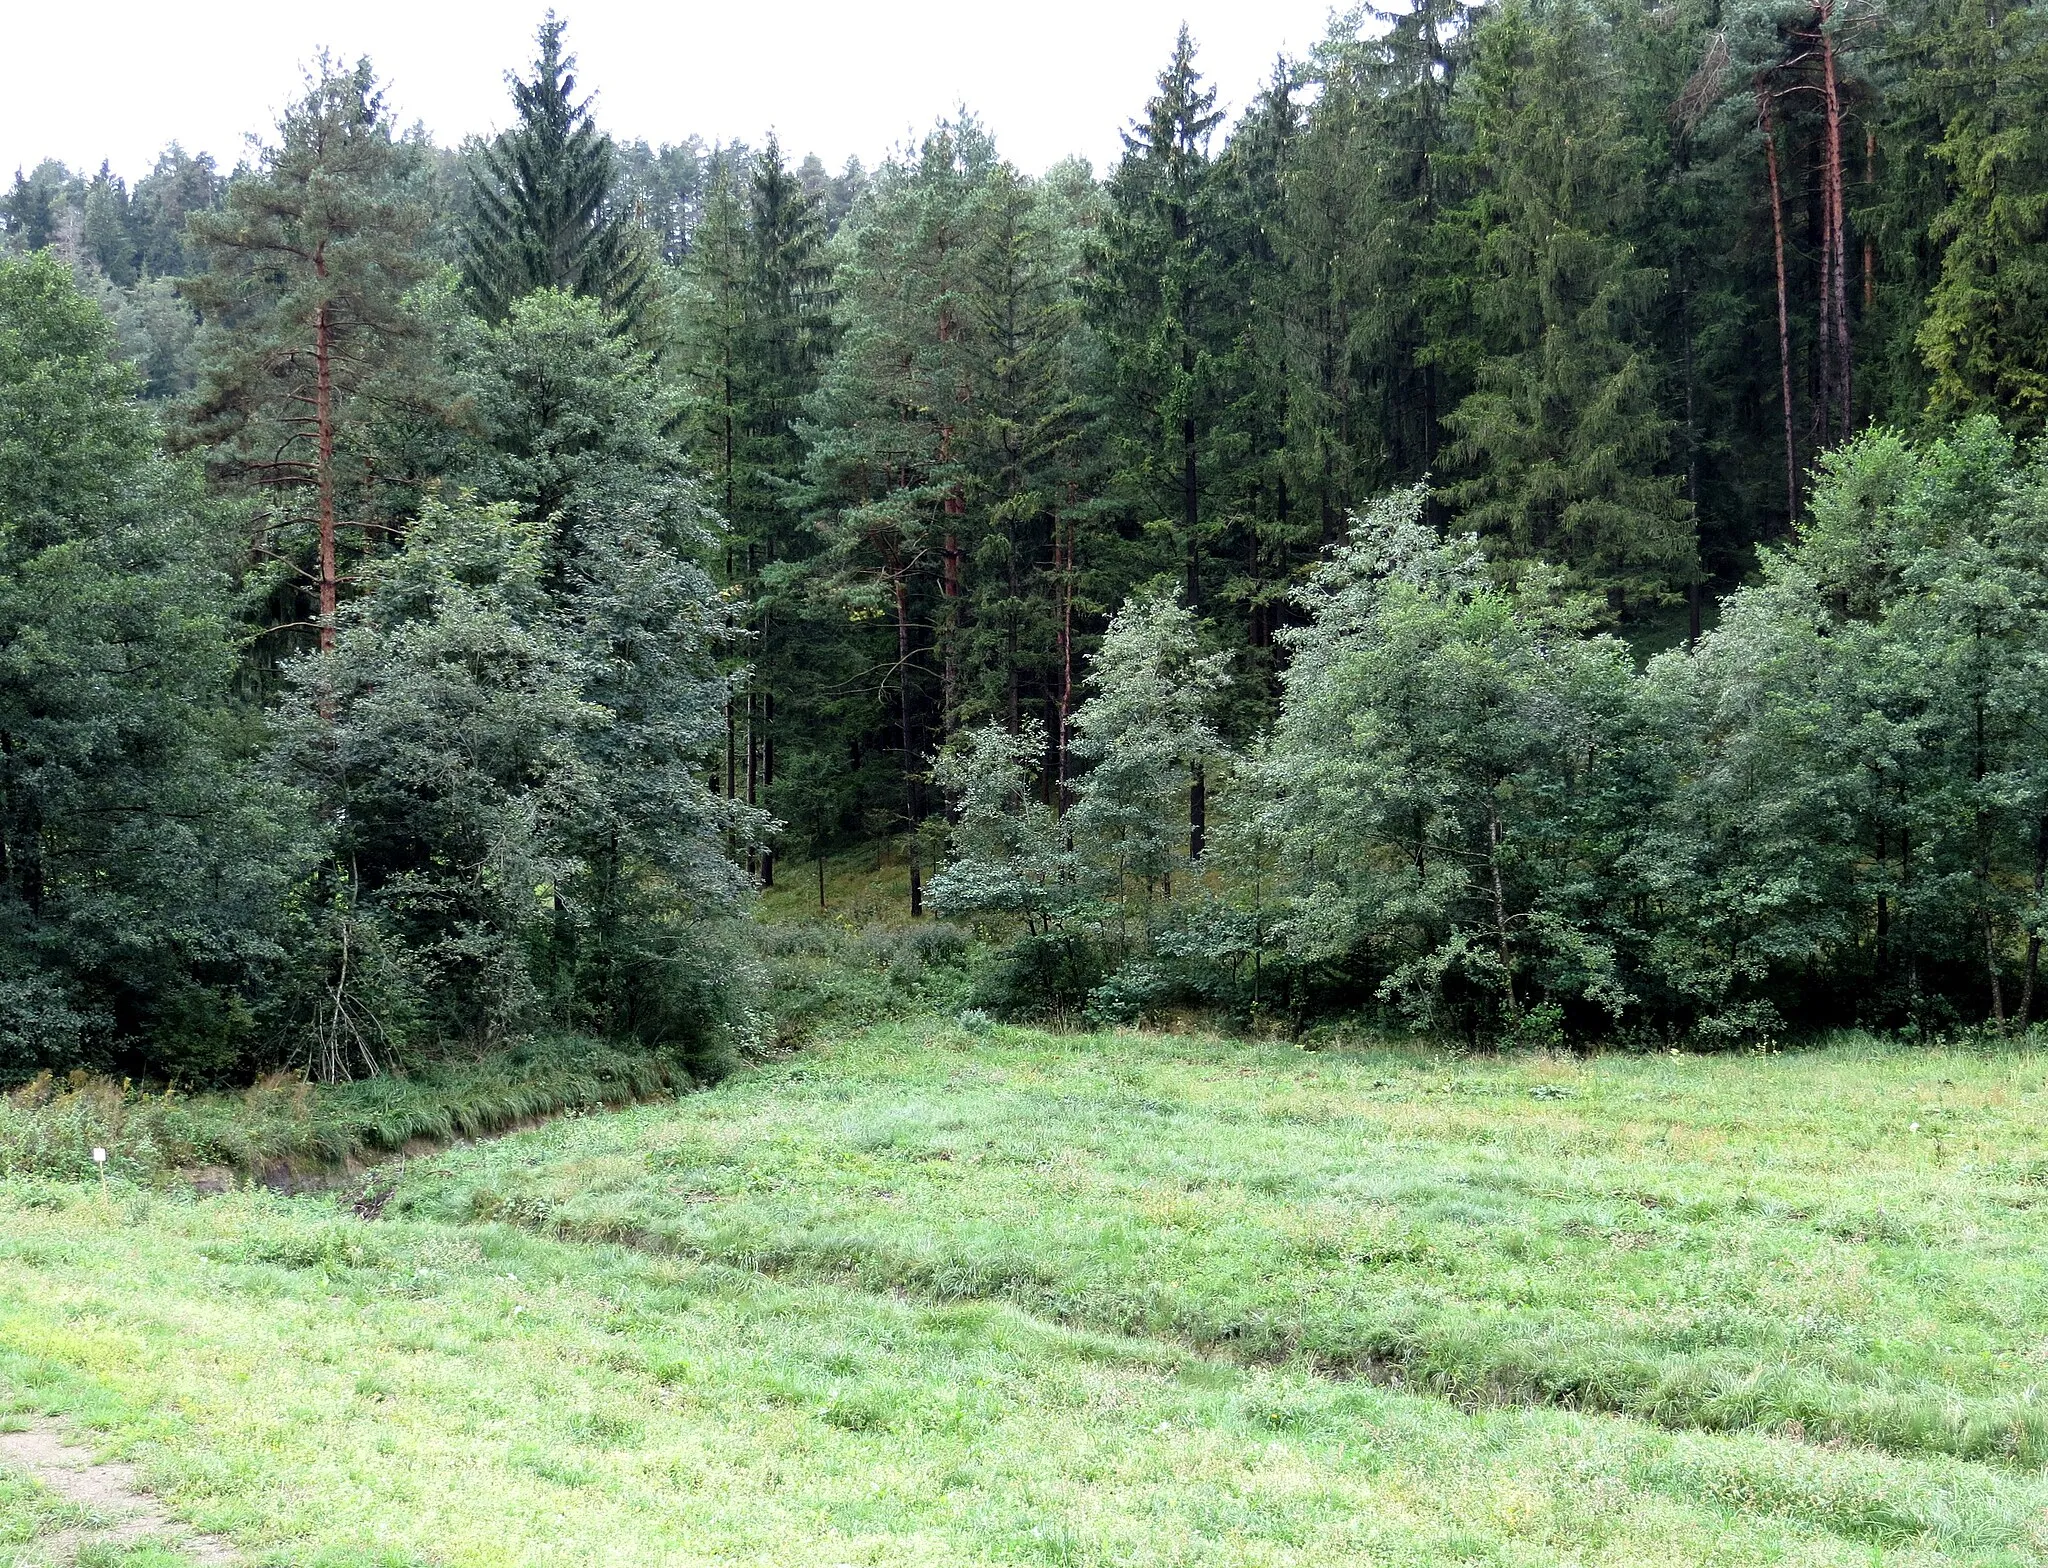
[[127, 1514]]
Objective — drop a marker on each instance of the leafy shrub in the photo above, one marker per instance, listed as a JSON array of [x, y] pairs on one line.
[[819, 973], [1038, 977]]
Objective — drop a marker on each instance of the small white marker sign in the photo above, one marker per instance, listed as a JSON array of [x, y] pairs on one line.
[[99, 1156]]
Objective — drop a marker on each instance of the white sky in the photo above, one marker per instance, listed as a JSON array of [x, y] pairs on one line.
[[118, 79]]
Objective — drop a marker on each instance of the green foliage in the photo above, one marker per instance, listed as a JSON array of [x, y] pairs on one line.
[[1477, 815], [1441, 779], [143, 860], [1987, 313], [1010, 854], [506, 771], [543, 205], [309, 346], [1147, 731], [1558, 448]]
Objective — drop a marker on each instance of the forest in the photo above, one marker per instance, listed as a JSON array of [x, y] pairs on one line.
[[1533, 531]]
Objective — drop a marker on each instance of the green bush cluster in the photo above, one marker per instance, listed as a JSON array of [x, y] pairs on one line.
[[1477, 817]]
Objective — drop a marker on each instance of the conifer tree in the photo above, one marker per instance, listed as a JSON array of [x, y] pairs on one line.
[[789, 336], [1558, 451], [104, 234], [32, 210], [1270, 475], [163, 201], [1027, 448], [885, 458], [1160, 300], [308, 337], [756, 332], [542, 193], [1985, 337]]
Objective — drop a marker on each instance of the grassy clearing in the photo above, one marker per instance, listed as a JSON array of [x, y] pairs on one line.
[[283, 1125], [339, 1394], [865, 886], [1842, 1245]]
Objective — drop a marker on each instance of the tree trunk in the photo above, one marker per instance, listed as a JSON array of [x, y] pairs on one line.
[[1066, 662], [1980, 766], [909, 752], [950, 586], [767, 772], [1784, 311], [1500, 907], [323, 414], [1837, 221], [1198, 812], [1191, 509], [2026, 1013]]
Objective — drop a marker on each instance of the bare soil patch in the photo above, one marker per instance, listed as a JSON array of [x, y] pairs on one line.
[[126, 1514]]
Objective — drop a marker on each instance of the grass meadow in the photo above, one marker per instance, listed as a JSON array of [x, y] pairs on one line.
[[922, 1295]]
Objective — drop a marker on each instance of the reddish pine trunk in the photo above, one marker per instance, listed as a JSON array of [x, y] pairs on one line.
[[323, 414], [1784, 309]]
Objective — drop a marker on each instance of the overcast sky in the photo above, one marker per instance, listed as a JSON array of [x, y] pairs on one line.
[[118, 79]]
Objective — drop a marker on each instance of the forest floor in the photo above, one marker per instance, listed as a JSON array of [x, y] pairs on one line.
[[920, 1296]]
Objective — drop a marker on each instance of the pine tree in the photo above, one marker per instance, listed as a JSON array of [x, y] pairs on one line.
[[885, 454], [1027, 449], [308, 338], [161, 204], [33, 210], [1268, 472], [544, 208], [789, 337]]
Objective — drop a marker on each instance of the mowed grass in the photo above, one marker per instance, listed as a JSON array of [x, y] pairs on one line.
[[1837, 1245], [339, 1393]]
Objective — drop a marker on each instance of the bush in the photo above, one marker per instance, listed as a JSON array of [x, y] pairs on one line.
[[1038, 977], [820, 973]]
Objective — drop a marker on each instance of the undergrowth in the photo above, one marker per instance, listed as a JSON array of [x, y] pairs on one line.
[[51, 1126]]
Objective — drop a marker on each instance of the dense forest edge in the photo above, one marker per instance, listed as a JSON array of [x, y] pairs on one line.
[[1534, 532]]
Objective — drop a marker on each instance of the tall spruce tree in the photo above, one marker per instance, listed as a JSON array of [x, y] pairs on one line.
[[1985, 337], [1161, 301], [1559, 452], [544, 213]]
